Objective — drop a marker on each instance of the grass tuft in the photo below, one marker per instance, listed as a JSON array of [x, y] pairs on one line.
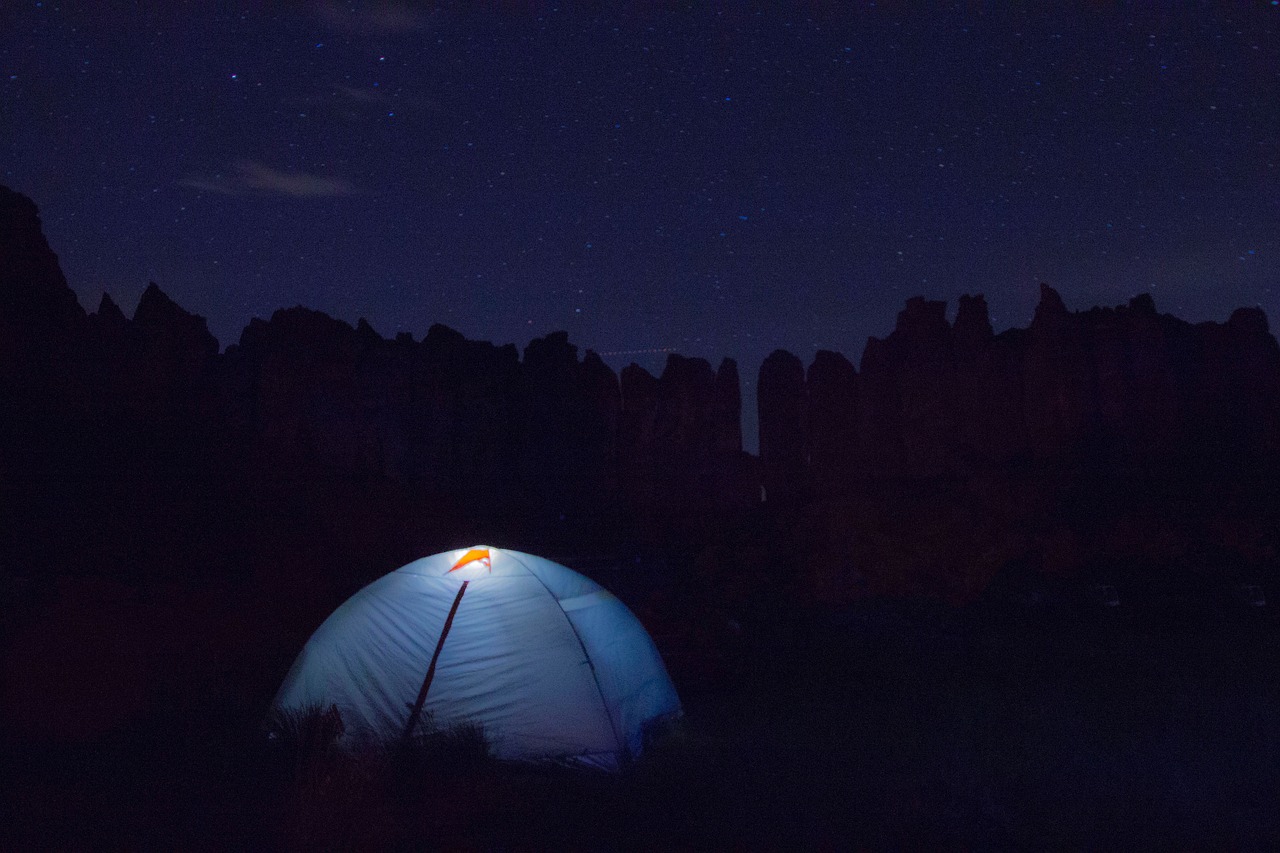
[[305, 733]]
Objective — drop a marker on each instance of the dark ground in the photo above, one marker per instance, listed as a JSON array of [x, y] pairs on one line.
[[886, 725]]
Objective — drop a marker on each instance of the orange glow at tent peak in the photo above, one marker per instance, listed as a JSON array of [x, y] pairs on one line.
[[474, 555]]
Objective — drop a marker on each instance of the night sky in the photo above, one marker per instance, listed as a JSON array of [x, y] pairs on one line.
[[718, 181]]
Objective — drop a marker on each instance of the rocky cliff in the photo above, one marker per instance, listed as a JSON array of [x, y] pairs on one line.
[[314, 449], [1124, 384]]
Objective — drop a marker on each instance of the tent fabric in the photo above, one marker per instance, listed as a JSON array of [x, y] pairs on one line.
[[551, 664]]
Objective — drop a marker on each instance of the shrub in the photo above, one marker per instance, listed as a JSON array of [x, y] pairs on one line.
[[448, 749], [309, 732]]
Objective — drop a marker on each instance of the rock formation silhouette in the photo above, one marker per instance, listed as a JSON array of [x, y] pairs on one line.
[[1124, 384], [312, 448]]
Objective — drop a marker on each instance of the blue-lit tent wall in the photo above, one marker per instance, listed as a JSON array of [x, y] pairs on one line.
[[549, 662]]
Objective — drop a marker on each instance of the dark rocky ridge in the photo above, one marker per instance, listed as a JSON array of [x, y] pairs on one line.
[[470, 439], [1126, 385], [313, 449], [1110, 443]]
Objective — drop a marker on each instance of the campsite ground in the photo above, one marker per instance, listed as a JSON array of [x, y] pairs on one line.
[[886, 725]]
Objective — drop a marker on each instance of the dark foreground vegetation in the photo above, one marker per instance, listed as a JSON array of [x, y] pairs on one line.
[[887, 725]]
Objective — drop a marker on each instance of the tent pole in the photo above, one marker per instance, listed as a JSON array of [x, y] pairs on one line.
[[431, 670]]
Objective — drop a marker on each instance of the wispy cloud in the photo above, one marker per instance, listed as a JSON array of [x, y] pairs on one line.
[[251, 176], [259, 176], [386, 18]]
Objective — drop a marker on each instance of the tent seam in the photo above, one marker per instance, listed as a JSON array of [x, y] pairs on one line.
[[604, 703]]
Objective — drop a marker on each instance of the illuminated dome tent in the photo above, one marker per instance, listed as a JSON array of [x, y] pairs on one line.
[[551, 664]]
